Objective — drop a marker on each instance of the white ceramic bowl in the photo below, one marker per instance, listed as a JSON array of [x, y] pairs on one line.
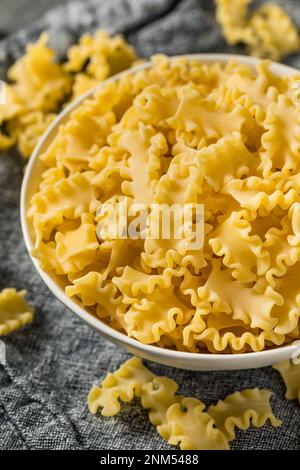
[[184, 360]]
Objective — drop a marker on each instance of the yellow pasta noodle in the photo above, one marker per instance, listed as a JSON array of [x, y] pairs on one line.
[[290, 374], [181, 133], [124, 384], [191, 428], [274, 32], [14, 310], [157, 397], [106, 56], [232, 16]]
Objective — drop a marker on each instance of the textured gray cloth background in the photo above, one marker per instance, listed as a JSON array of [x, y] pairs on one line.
[[52, 364]]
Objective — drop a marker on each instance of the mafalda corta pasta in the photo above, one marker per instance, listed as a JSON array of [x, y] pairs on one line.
[[37, 87], [290, 374], [181, 132], [268, 31], [181, 421], [14, 310]]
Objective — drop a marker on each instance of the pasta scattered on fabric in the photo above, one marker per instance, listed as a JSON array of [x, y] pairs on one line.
[[14, 310], [290, 374], [181, 421], [268, 32]]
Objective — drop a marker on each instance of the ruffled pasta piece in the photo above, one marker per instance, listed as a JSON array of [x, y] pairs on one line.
[[289, 313], [255, 193], [281, 141], [164, 253], [231, 150], [91, 289], [268, 32], [105, 56], [275, 34], [253, 90], [8, 111], [157, 397], [236, 159], [39, 82], [14, 310], [133, 283], [190, 428], [155, 105], [52, 175], [82, 83], [232, 16], [124, 384], [283, 245], [118, 254], [290, 374], [76, 246], [241, 410], [81, 137], [29, 128], [144, 147], [241, 252], [181, 184], [180, 420]]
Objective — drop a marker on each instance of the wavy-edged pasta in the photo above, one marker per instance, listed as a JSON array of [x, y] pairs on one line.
[[157, 397], [105, 56], [14, 310], [124, 385], [179, 133], [241, 410], [275, 34], [190, 428], [267, 32], [290, 374]]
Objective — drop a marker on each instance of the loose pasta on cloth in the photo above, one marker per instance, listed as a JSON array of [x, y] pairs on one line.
[[181, 421], [39, 85], [181, 132], [268, 32], [14, 310]]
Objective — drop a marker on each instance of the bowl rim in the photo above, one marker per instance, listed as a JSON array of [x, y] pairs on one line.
[[211, 359]]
